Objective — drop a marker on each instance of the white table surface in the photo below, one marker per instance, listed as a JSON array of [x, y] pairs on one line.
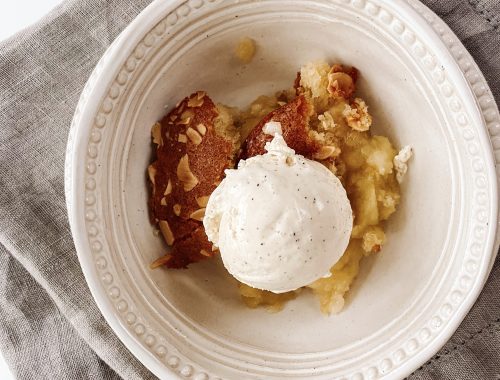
[[4, 370], [18, 14], [14, 16]]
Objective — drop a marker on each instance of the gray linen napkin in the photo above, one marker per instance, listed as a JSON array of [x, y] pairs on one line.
[[50, 327]]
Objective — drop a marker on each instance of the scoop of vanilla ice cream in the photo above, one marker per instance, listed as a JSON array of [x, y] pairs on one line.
[[280, 221]]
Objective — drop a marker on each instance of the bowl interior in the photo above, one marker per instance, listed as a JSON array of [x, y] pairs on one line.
[[403, 108]]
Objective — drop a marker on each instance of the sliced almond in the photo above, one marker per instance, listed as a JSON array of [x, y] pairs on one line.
[[187, 113], [340, 85], [214, 248], [166, 232], [186, 117], [180, 109], [160, 262], [200, 94], [198, 214], [185, 121], [205, 253], [357, 116], [194, 102], [185, 174], [325, 152], [182, 138], [152, 173], [168, 190], [156, 134], [194, 136], [163, 201], [202, 129], [177, 209], [202, 201], [173, 117]]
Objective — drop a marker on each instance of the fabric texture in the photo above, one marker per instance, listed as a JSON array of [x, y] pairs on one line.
[[50, 327]]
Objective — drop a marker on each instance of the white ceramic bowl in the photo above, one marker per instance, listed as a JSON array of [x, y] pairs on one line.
[[424, 89]]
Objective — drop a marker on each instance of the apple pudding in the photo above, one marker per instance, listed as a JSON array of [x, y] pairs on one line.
[[292, 192]]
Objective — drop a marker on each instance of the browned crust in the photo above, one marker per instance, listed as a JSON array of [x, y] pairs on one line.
[[294, 118], [207, 156]]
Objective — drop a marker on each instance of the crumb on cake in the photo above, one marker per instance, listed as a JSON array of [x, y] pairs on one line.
[[245, 50]]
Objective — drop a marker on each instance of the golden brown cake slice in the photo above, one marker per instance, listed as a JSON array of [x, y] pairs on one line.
[[195, 142], [316, 91], [294, 118]]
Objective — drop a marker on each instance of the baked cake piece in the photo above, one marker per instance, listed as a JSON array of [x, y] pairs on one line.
[[195, 143], [318, 88], [294, 118]]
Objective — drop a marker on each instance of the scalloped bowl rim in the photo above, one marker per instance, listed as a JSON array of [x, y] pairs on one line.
[[108, 67]]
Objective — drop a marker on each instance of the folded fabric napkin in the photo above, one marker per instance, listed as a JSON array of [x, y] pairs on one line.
[[50, 327]]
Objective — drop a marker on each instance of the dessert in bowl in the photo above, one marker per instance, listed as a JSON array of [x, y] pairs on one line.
[[440, 243], [282, 220]]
